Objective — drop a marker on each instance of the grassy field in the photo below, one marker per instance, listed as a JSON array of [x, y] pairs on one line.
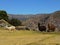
[[28, 38]]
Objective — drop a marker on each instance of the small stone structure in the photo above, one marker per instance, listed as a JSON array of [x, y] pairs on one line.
[[3, 23], [21, 27]]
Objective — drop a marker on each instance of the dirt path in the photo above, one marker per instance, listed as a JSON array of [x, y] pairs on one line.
[[52, 40]]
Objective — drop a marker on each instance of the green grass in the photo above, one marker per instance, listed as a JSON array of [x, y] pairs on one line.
[[28, 37]]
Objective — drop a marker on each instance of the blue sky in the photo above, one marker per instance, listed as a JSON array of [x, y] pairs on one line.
[[29, 6]]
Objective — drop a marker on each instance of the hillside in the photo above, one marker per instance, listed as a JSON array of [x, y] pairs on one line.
[[31, 21]]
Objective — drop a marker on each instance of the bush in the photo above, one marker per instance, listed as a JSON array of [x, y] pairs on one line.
[[15, 22]]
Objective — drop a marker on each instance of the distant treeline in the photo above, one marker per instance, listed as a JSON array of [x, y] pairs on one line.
[[15, 22]]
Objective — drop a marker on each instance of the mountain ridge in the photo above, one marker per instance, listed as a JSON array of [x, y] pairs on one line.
[[32, 20]]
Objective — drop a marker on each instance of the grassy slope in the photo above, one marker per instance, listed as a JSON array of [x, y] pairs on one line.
[[28, 38]]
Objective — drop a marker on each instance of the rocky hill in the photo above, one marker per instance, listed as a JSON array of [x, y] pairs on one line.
[[31, 21]]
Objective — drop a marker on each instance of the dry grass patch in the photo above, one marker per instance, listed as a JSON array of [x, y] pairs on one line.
[[27, 38]]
